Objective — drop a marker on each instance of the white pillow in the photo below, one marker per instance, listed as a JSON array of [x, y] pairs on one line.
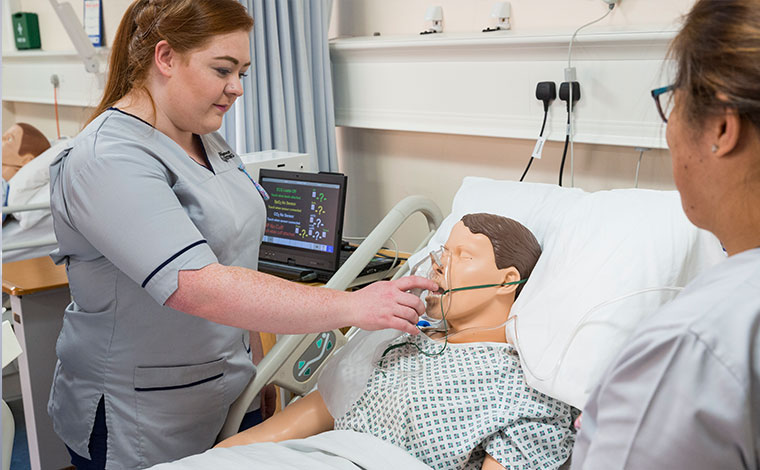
[[597, 247], [31, 184]]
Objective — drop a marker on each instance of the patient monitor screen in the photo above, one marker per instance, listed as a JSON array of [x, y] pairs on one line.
[[303, 214]]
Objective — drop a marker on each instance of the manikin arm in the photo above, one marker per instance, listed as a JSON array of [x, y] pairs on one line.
[[490, 463], [306, 417]]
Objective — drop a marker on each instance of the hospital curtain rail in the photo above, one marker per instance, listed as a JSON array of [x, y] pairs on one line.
[[287, 103]]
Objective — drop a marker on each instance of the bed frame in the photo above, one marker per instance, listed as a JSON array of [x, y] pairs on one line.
[[281, 364], [51, 241], [286, 362]]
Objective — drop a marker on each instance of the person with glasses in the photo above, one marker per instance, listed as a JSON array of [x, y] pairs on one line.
[[685, 391]]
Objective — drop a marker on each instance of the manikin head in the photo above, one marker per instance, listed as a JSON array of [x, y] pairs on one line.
[[484, 249], [21, 143]]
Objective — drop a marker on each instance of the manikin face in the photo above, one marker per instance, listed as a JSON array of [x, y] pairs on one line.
[[205, 82], [470, 260], [12, 161]]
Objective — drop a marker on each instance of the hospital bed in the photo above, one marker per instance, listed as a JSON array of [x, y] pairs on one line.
[[609, 259], [21, 242], [310, 351], [28, 233]]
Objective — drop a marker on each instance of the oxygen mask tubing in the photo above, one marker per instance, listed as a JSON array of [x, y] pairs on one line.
[[436, 267]]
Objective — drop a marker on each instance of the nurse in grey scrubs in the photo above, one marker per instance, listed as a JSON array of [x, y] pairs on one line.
[[685, 392], [159, 231]]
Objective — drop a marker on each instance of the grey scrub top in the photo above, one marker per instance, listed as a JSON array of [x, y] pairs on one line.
[[131, 209], [685, 392]]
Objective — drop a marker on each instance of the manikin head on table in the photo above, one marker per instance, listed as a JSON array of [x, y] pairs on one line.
[[482, 249]]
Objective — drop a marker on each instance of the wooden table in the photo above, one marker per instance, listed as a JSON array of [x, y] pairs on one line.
[[39, 294]]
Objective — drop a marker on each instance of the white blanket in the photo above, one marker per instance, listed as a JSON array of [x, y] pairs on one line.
[[341, 450]]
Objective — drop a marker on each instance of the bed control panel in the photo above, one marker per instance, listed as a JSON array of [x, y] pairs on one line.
[[319, 349]]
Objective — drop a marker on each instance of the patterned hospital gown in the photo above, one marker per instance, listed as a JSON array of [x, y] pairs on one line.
[[449, 410]]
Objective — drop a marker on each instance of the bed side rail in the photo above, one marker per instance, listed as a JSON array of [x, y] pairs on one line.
[[295, 360], [47, 241]]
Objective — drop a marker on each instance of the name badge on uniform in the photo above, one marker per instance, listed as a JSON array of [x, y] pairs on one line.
[[227, 155]]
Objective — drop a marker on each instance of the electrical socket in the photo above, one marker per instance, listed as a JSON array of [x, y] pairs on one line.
[[546, 92], [564, 92]]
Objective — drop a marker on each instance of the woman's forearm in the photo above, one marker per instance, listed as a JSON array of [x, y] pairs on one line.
[[252, 300]]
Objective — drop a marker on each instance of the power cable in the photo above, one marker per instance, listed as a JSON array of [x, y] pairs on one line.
[[570, 77], [543, 126]]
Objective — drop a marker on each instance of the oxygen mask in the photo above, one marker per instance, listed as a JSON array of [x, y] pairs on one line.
[[435, 267]]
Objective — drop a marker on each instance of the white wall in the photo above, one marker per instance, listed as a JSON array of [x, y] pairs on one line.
[[384, 166], [398, 17], [52, 34], [53, 38]]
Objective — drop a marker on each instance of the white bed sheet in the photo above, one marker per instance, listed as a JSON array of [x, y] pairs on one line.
[[332, 450], [12, 233]]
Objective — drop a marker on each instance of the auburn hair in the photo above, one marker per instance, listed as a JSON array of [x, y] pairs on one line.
[[184, 24]]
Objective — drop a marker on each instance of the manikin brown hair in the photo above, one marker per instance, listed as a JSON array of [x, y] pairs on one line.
[[513, 244], [718, 52], [33, 141], [185, 24]]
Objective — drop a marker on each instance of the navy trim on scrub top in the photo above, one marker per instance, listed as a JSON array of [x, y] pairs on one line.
[[207, 166], [176, 387], [112, 108], [174, 256]]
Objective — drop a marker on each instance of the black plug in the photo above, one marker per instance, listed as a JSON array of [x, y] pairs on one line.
[[546, 92], [564, 93]]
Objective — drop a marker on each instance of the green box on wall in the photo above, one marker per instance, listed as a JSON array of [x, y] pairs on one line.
[[26, 30]]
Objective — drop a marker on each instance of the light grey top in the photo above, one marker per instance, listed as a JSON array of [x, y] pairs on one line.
[[685, 392], [131, 209]]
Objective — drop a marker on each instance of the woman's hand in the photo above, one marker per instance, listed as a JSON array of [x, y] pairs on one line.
[[387, 304], [248, 299]]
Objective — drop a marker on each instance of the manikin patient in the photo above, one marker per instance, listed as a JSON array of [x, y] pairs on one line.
[[21, 143], [469, 405]]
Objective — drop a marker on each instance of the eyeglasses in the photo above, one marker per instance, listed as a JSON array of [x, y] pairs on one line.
[[668, 105]]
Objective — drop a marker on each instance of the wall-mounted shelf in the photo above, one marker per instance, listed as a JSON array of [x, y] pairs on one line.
[[26, 77], [483, 84]]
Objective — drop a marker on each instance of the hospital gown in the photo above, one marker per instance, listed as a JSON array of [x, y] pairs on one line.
[[448, 410]]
